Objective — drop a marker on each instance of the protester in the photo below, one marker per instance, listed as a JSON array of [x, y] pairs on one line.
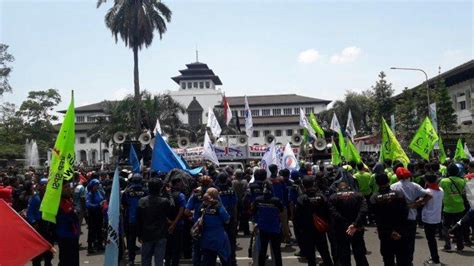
[[67, 228], [240, 186], [176, 228], [431, 216], [95, 202]]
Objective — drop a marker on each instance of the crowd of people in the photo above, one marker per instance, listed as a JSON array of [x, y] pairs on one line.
[[171, 216]]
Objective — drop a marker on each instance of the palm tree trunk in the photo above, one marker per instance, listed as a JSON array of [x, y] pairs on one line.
[[136, 84]]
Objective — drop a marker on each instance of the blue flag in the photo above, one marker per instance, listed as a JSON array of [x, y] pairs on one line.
[[164, 159], [133, 160], [112, 248]]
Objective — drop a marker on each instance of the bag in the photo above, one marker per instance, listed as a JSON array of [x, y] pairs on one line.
[[467, 206], [320, 224], [196, 229]]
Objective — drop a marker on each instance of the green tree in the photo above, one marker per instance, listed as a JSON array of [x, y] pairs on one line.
[[447, 119], [407, 121], [36, 113], [135, 21], [5, 70], [384, 104], [12, 139]]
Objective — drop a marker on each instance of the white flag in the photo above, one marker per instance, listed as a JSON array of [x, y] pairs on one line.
[[209, 153], [350, 128], [248, 119], [335, 124], [269, 157], [305, 124], [227, 111], [466, 151], [157, 129], [289, 159], [213, 124]]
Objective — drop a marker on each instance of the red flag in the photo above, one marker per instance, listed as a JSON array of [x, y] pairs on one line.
[[227, 111], [20, 242]]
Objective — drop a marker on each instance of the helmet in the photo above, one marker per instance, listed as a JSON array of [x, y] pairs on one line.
[[462, 170]]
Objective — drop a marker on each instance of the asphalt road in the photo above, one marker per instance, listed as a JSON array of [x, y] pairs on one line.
[[465, 258]]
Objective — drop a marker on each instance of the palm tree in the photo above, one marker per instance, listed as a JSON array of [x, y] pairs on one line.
[[136, 21]]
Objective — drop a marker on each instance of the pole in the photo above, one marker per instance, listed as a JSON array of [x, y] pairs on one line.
[[426, 80]]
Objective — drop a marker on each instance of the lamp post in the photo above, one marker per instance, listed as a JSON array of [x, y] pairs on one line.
[[426, 78]]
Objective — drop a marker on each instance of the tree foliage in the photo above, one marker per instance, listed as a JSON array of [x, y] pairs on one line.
[[407, 120], [384, 104], [5, 70], [447, 119]]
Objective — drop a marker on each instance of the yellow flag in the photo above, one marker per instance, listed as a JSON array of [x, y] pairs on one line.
[[424, 139], [61, 165], [390, 148]]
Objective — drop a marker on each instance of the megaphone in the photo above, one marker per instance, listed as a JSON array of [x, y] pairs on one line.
[[242, 141], [269, 138], [119, 137], [145, 138], [320, 144], [296, 139], [183, 142]]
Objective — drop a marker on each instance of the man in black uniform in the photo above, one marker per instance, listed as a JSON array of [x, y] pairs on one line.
[[312, 204], [348, 211], [390, 210]]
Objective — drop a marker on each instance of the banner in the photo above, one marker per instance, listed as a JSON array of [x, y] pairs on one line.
[[305, 124], [335, 126], [424, 139], [61, 167], [248, 119], [269, 157], [208, 151], [390, 148], [289, 159], [112, 247], [350, 127], [213, 124]]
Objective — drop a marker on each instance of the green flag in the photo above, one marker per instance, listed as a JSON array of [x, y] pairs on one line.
[[442, 153], [314, 124], [61, 166], [335, 156], [342, 145], [352, 153], [390, 148], [459, 154], [424, 140]]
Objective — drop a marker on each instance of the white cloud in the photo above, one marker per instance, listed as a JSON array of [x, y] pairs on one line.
[[120, 94], [308, 56], [347, 55]]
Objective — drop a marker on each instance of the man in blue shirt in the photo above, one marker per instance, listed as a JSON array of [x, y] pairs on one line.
[[280, 191], [95, 201]]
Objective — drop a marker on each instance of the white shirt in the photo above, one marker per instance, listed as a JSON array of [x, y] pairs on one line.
[[412, 191], [431, 213]]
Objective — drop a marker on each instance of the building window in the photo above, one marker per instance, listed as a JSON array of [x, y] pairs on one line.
[[302, 132], [278, 133], [287, 111], [297, 111], [462, 105], [195, 118], [190, 85], [183, 85], [82, 140], [289, 132], [208, 84], [195, 84], [91, 119], [242, 113], [201, 85], [256, 112], [266, 133], [265, 112], [309, 110], [256, 134], [276, 111], [80, 119], [93, 140]]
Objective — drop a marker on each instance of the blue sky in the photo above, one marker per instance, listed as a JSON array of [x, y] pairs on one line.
[[313, 48]]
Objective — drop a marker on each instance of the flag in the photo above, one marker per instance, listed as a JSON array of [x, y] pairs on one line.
[[442, 152], [335, 156], [305, 124], [335, 126], [466, 151], [269, 157], [157, 129], [112, 247], [342, 144], [237, 122], [459, 154], [352, 154], [350, 128], [209, 153], [164, 159], [20, 242], [314, 124], [61, 167], [248, 119], [392, 122], [213, 124], [133, 160], [390, 148], [289, 158], [227, 111], [433, 116], [424, 139]]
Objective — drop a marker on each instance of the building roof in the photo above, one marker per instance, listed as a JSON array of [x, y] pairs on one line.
[[95, 107], [194, 105], [80, 127], [197, 71], [272, 120], [276, 99]]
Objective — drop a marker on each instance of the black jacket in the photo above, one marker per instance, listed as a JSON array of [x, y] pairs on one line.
[[309, 203], [390, 210], [154, 214], [347, 207]]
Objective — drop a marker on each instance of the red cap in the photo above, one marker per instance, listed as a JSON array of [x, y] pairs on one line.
[[403, 173]]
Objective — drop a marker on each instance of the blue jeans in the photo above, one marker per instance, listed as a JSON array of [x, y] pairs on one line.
[[154, 248]]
